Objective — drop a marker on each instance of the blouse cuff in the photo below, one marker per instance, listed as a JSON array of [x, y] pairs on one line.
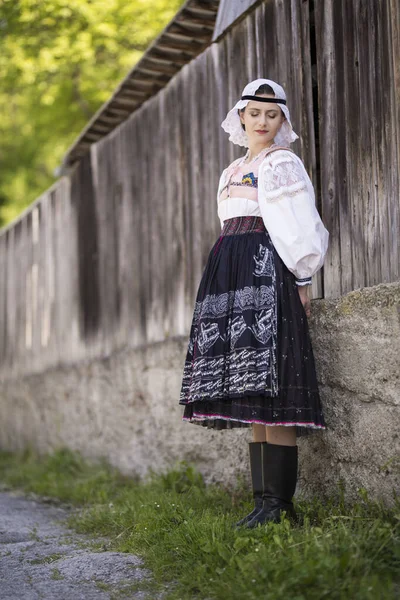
[[304, 281]]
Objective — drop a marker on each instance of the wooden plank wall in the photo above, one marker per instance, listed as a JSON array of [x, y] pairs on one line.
[[358, 50], [112, 255]]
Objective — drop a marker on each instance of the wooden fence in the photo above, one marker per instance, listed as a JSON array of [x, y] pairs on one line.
[[111, 255]]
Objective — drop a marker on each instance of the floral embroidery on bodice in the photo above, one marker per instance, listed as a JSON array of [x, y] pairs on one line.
[[243, 180]]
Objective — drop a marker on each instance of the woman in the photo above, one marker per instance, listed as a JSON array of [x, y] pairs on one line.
[[250, 360]]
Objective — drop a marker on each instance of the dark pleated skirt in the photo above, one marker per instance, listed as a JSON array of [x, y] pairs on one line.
[[249, 357]]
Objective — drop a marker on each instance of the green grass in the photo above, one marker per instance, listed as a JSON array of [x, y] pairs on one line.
[[46, 559], [183, 530]]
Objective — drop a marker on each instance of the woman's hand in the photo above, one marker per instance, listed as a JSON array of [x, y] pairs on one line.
[[305, 300]]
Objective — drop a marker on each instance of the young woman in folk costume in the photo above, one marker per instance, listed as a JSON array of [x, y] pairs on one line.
[[250, 360]]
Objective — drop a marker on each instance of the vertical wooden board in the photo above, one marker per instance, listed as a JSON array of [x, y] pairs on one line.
[[114, 231], [10, 299], [40, 250], [139, 207], [186, 205], [216, 138], [56, 297], [164, 200], [27, 300], [156, 200], [59, 261], [3, 299], [37, 223], [234, 83], [347, 119], [251, 45], [121, 229], [308, 151], [209, 153], [104, 193], [361, 156], [45, 244], [138, 248], [135, 249], [327, 85], [194, 90], [48, 337], [185, 220], [387, 92], [208, 126], [189, 162], [49, 294], [10, 341], [129, 222], [261, 40], [205, 127], [125, 233], [105, 189], [26, 295], [218, 54], [393, 26], [172, 200], [66, 275], [375, 219], [177, 306], [118, 234], [149, 234], [17, 276], [89, 289]]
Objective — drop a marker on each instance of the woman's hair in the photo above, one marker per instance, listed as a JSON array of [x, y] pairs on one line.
[[263, 89]]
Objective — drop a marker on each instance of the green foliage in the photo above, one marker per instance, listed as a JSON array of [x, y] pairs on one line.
[[60, 60], [183, 530]]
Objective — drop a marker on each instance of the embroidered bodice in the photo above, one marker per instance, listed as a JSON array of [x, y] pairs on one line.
[[241, 180], [276, 187], [239, 192]]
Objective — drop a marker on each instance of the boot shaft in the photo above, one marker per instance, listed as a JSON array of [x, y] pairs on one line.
[[279, 466]]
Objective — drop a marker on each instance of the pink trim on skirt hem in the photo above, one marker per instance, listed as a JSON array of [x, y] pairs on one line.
[[200, 417]]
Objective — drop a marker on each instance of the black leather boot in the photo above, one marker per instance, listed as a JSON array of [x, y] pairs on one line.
[[256, 480], [279, 471]]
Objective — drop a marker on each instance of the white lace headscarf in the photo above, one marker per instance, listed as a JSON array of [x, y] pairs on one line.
[[232, 124]]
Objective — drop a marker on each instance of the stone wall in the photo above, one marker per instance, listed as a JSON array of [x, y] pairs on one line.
[[125, 407]]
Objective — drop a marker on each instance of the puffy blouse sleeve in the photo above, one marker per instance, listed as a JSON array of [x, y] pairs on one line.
[[287, 203]]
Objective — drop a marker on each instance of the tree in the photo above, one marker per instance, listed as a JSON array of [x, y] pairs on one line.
[[60, 61]]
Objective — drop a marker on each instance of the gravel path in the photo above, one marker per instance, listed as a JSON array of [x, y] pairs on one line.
[[41, 559]]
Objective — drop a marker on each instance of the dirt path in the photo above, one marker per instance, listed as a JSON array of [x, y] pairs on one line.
[[41, 559]]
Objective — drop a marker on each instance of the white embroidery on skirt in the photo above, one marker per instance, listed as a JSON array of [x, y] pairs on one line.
[[208, 336], [248, 298], [237, 327], [249, 370], [262, 330], [264, 262]]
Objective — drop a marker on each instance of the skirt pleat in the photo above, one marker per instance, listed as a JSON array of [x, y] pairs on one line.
[[249, 357]]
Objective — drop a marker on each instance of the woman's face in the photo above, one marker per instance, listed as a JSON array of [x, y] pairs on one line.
[[262, 120]]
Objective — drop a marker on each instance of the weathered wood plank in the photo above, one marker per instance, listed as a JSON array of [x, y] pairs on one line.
[[327, 85]]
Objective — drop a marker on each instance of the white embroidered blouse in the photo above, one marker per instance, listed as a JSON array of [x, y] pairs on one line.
[[277, 188]]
